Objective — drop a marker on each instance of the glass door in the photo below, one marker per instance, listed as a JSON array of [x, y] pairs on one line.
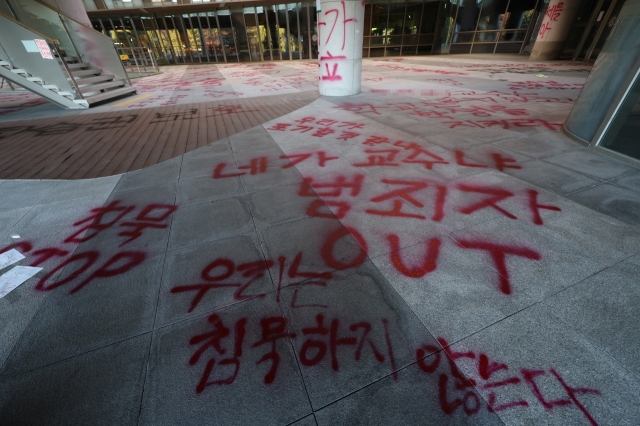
[[623, 135], [603, 17]]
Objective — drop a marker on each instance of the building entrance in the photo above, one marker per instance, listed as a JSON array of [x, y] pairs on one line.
[[591, 28]]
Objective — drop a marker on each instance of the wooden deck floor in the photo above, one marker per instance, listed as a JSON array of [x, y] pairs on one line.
[[104, 144]]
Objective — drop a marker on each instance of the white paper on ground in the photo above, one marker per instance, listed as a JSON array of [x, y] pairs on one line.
[[9, 258], [15, 277]]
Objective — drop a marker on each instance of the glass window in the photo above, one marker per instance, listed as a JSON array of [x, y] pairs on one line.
[[624, 134], [413, 17], [273, 31], [379, 15], [242, 40], [313, 16], [163, 39], [228, 36], [194, 37], [217, 40], [396, 20], [466, 20], [445, 24], [263, 33], [178, 38], [493, 16], [430, 16], [284, 41], [295, 38], [253, 34], [306, 35], [210, 38]]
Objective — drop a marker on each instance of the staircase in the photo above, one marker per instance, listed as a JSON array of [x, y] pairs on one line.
[[37, 85], [40, 63], [94, 84]]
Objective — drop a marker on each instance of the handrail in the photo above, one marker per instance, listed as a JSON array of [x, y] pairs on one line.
[[70, 18], [52, 40], [68, 71]]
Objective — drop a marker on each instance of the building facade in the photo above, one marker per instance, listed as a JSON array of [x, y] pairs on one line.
[[205, 32]]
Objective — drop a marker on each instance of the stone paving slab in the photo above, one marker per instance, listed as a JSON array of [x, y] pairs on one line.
[[67, 392], [601, 308], [544, 375], [341, 264], [177, 363]]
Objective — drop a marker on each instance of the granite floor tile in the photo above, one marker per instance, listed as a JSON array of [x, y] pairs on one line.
[[631, 182], [307, 421], [590, 163], [252, 140], [86, 311], [454, 294], [203, 161], [352, 329], [534, 263], [210, 221], [72, 190], [567, 382], [19, 194], [239, 377], [213, 275], [612, 200], [74, 391], [281, 204], [551, 177], [205, 188], [166, 172], [542, 144], [8, 218], [603, 308], [411, 397], [314, 245]]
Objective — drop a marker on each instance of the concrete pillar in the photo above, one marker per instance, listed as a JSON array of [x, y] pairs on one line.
[[340, 30], [554, 29]]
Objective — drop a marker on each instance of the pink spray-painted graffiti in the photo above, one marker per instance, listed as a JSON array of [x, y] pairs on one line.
[[333, 33], [553, 13], [456, 391]]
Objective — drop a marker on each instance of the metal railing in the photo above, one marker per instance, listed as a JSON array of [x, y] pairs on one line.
[[71, 36], [142, 58], [30, 53]]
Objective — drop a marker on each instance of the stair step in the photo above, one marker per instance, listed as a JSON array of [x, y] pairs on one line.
[[90, 71], [5, 64], [78, 65], [102, 86], [96, 79], [109, 95], [51, 87], [35, 79], [19, 71]]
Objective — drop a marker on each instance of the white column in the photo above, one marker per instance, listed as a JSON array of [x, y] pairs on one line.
[[554, 29], [340, 29]]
